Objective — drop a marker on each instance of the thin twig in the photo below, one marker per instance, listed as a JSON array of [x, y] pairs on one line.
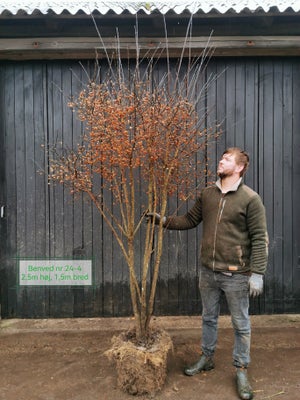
[[273, 395]]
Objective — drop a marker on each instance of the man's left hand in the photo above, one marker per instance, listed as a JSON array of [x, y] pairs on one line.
[[256, 285]]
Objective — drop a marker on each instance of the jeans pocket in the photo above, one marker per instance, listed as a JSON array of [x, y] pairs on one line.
[[241, 282]]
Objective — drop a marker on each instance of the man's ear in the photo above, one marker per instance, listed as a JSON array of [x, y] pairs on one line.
[[240, 168]]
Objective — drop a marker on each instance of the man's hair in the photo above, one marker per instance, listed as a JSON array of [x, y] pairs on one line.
[[241, 157]]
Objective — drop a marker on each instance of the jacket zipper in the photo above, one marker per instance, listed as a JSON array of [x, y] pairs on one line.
[[219, 217]]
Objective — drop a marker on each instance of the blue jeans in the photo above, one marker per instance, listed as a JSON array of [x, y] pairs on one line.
[[236, 291]]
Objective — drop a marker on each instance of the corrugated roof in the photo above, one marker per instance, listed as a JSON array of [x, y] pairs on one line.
[[103, 7]]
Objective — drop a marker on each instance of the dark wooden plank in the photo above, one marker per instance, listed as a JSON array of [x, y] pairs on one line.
[[10, 171], [71, 224], [288, 279], [84, 47], [41, 178], [20, 188], [279, 136], [213, 106], [77, 245], [265, 169], [292, 282], [221, 109], [251, 117], [80, 25], [3, 201], [230, 123], [239, 105]]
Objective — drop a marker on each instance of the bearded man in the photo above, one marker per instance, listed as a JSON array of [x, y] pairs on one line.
[[234, 252]]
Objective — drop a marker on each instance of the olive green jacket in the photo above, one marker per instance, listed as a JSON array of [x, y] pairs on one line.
[[234, 235]]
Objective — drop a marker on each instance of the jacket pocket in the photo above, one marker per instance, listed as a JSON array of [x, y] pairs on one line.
[[242, 255]]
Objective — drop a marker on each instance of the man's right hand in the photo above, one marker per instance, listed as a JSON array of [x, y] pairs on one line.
[[154, 216]]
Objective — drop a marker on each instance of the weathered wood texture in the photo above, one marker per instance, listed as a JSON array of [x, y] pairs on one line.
[[256, 100], [86, 47]]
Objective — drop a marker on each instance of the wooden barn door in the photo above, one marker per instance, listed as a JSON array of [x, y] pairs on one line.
[[256, 100]]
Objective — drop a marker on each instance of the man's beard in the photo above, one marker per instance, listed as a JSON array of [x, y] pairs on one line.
[[224, 174]]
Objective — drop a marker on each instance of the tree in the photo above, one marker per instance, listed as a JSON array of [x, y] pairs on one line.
[[138, 130]]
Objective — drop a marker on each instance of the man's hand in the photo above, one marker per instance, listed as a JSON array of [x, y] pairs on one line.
[[256, 285], [156, 217]]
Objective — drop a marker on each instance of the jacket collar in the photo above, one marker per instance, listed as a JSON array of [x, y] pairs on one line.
[[233, 188]]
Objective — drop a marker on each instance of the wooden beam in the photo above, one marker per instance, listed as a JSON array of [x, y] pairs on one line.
[[89, 47]]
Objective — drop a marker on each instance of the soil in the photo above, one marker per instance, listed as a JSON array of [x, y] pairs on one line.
[[63, 359]]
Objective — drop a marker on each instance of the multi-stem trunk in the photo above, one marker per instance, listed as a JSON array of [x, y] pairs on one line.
[[157, 260], [134, 291]]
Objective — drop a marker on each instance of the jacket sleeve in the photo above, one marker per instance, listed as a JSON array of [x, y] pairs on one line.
[[188, 221], [256, 220]]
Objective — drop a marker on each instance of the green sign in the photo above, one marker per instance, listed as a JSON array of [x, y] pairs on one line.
[[55, 272]]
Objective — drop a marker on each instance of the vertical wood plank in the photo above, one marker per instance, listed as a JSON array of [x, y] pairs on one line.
[[265, 169], [288, 278], [251, 115], [3, 200], [10, 165], [292, 282], [278, 185], [239, 105]]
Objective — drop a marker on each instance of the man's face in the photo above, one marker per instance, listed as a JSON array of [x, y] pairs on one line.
[[227, 166]]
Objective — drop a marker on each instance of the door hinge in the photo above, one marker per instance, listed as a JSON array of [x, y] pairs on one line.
[[2, 212]]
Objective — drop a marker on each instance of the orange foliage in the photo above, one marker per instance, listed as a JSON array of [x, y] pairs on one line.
[[134, 128]]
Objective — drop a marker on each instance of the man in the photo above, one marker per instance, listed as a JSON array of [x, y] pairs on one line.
[[234, 253]]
